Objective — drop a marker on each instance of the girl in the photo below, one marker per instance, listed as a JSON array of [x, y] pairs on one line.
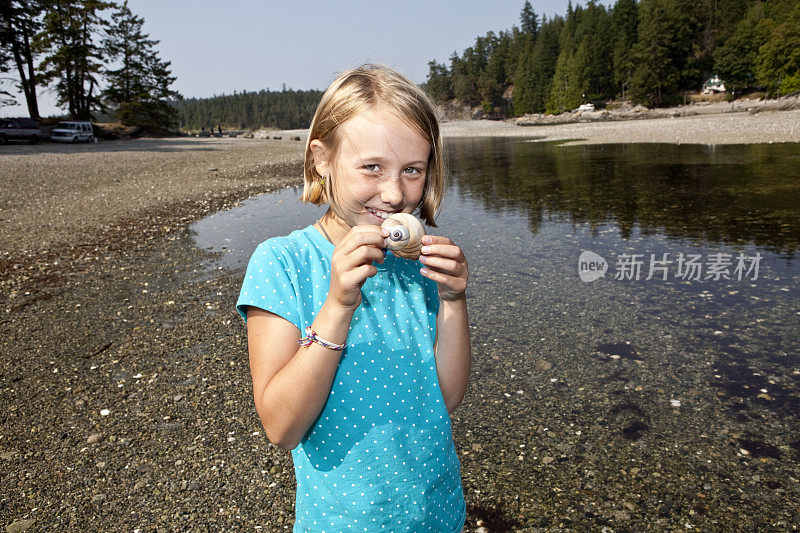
[[358, 357]]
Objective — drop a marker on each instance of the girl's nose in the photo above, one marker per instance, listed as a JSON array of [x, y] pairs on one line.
[[392, 192]]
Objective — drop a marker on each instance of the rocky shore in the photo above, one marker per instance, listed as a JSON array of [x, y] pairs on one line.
[[124, 378]]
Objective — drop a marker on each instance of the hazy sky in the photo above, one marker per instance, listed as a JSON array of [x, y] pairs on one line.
[[220, 46]]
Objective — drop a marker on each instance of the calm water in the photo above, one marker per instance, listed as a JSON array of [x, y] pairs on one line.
[[677, 372]]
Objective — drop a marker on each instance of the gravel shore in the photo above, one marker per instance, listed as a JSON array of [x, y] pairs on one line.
[[124, 379], [726, 128]]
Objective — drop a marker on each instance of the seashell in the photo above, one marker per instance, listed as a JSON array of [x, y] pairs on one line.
[[405, 235]]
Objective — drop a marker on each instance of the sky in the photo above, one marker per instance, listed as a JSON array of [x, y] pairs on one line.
[[219, 47]]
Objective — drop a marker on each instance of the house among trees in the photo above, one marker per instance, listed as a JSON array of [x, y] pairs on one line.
[[714, 85]]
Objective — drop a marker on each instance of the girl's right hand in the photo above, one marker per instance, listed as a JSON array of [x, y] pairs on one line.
[[351, 264]]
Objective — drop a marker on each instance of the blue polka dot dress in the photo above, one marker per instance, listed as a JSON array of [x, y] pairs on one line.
[[380, 456]]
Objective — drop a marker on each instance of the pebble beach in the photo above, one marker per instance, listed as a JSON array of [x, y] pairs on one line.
[[124, 379]]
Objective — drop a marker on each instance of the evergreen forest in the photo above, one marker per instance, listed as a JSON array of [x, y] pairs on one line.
[[285, 109], [652, 52]]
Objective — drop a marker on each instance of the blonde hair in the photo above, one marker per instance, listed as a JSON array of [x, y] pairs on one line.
[[357, 90]]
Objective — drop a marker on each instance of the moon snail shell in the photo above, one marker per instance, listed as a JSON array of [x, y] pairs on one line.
[[405, 235]]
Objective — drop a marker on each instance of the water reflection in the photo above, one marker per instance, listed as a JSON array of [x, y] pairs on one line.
[[709, 194]]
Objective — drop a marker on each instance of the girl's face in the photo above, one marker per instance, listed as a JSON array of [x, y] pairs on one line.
[[380, 167]]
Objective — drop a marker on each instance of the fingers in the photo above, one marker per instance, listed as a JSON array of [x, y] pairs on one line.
[[364, 255], [450, 287], [358, 236], [352, 264], [445, 264], [434, 245], [355, 278]]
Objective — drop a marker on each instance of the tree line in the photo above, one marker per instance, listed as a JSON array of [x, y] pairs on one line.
[[650, 51], [77, 46], [284, 109]]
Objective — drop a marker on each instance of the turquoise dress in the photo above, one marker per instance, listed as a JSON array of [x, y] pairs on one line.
[[380, 456]]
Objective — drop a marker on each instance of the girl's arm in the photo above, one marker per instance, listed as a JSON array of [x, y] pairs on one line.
[[291, 384], [452, 351], [445, 263]]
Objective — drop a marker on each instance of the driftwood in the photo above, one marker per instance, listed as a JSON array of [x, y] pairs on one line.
[[100, 350]]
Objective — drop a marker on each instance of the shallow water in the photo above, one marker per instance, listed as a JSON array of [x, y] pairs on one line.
[[682, 375]]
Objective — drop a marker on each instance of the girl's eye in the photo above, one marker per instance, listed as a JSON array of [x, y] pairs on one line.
[[372, 167], [413, 170]]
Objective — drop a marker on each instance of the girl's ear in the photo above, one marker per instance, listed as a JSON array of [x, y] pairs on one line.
[[320, 157]]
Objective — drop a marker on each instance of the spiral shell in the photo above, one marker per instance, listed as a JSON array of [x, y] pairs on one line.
[[405, 235]]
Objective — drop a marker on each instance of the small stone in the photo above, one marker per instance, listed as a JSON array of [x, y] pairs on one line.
[[99, 498], [140, 484], [621, 516], [675, 403], [547, 460], [542, 366], [20, 525], [178, 397], [95, 438], [5, 456], [144, 468], [105, 412]]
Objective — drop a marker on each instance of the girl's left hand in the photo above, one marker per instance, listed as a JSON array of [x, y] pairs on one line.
[[446, 265]]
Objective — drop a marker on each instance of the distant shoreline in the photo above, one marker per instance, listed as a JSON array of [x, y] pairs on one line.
[[744, 122], [733, 128]]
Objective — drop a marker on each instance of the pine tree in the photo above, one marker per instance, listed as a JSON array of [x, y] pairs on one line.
[[735, 60], [536, 68], [625, 22], [19, 22], [439, 82], [139, 89], [778, 60], [529, 21], [593, 57], [72, 58], [567, 87], [664, 51]]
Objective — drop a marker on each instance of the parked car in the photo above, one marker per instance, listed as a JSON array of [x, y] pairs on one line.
[[19, 129], [72, 132]]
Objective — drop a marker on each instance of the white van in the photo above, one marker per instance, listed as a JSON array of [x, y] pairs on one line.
[[72, 132]]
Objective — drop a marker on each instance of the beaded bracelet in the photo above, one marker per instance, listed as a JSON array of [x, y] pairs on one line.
[[311, 336]]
